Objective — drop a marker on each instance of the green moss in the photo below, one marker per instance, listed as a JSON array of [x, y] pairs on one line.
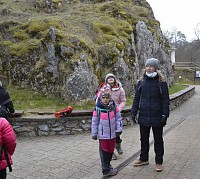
[[9, 23], [120, 46], [22, 48], [61, 37], [22, 26], [154, 22], [122, 14], [57, 1], [99, 27], [124, 34], [99, 75], [6, 43], [84, 44], [18, 49], [112, 54], [93, 25], [106, 38], [36, 29], [40, 26], [124, 28], [21, 35], [65, 40], [151, 29], [90, 60], [143, 13], [107, 28], [60, 34]]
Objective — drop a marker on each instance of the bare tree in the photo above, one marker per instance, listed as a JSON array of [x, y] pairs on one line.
[[175, 37], [197, 31]]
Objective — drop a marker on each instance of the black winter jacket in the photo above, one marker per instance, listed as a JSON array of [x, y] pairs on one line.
[[152, 101], [4, 95]]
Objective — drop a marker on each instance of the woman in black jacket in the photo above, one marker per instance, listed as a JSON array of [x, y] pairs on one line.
[[152, 101], [6, 101]]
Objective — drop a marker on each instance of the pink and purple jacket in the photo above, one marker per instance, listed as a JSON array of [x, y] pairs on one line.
[[107, 124], [7, 136]]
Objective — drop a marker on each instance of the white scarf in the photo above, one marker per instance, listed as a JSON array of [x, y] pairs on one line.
[[151, 75]]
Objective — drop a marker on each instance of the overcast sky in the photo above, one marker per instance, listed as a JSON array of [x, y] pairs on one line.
[[183, 15]]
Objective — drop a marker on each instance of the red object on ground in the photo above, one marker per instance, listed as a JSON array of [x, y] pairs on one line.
[[64, 112]]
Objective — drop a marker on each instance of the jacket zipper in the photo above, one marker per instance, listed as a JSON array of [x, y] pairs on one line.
[[109, 123]]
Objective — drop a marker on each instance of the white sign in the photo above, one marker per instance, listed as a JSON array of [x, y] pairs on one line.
[[197, 74]]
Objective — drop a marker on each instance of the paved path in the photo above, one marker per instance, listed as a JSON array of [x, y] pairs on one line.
[[76, 156]]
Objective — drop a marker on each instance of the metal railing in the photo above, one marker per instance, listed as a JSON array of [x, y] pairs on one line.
[[187, 64]]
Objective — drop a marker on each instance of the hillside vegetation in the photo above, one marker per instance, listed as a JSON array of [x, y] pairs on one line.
[[28, 99], [93, 25], [64, 48]]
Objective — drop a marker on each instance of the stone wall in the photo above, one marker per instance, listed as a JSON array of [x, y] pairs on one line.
[[78, 121]]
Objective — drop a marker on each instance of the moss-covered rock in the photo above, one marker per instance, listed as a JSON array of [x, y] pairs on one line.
[[57, 41]]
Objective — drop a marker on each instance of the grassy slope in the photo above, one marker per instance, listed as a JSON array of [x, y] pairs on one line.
[[27, 99]]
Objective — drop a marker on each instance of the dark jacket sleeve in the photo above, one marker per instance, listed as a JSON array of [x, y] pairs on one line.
[[136, 101], [5, 99], [165, 99], [9, 106]]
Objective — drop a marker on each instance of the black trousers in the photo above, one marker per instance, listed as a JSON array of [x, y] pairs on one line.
[[158, 143], [3, 174], [106, 158]]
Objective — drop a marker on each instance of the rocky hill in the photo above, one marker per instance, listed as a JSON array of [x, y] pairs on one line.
[[65, 47]]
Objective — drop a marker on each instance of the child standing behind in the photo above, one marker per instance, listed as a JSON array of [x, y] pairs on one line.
[[106, 125]]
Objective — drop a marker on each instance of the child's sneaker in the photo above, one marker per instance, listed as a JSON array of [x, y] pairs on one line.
[[112, 172], [119, 148], [114, 156], [140, 163]]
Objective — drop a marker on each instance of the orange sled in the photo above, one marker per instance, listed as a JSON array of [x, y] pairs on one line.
[[64, 112]]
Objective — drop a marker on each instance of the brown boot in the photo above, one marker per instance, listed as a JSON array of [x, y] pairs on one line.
[[140, 163], [159, 167]]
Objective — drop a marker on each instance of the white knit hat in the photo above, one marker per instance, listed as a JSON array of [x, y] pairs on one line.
[[153, 62], [110, 75]]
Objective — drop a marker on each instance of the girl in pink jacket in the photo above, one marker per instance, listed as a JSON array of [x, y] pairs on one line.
[[117, 92], [7, 146]]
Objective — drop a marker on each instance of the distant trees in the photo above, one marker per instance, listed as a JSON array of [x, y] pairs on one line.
[[197, 31], [185, 51], [176, 38]]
